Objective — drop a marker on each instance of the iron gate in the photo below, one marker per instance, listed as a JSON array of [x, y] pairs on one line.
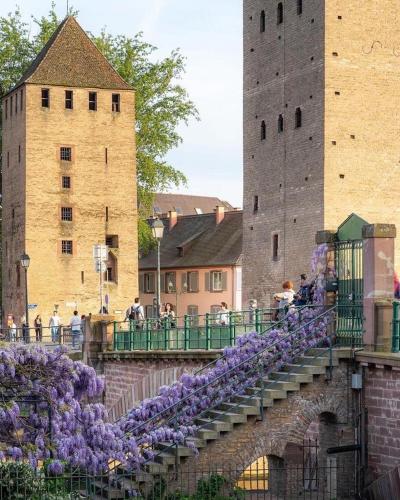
[[349, 269]]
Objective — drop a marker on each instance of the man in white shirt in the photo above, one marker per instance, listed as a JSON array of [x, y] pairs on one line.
[[54, 324], [75, 325]]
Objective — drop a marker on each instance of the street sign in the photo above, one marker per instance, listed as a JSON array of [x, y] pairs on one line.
[[100, 266], [100, 252], [32, 306]]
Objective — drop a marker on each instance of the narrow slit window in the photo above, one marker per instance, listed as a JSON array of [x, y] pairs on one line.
[[275, 246], [6, 109], [16, 102], [19, 154], [69, 99], [263, 131], [11, 105], [262, 21], [82, 277], [280, 123], [93, 101], [299, 7], [116, 103], [45, 98], [298, 118], [255, 204], [106, 155], [106, 214], [279, 13], [21, 99]]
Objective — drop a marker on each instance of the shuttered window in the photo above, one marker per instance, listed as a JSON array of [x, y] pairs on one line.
[[216, 281], [170, 282], [148, 283], [190, 282]]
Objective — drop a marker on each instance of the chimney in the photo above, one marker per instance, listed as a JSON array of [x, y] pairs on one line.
[[219, 214], [173, 219]]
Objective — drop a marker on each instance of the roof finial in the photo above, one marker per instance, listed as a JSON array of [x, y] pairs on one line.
[[67, 8]]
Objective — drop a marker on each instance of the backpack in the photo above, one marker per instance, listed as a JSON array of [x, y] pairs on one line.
[[135, 314]]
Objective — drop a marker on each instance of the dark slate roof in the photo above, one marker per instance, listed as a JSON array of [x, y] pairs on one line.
[[71, 59], [207, 244], [165, 202]]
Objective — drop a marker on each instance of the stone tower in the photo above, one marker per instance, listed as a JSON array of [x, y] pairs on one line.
[[69, 181], [321, 99]]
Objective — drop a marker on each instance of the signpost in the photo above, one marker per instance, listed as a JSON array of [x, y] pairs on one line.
[[100, 256]]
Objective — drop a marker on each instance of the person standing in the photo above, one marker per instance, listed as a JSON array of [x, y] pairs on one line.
[[75, 325], [223, 314], [12, 331], [136, 314], [54, 324], [302, 297], [38, 328]]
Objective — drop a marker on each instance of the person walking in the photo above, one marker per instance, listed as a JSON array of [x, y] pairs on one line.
[[75, 325], [136, 313], [223, 315], [54, 324], [38, 328]]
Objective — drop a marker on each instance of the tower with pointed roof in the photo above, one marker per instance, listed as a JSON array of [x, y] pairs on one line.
[[69, 181]]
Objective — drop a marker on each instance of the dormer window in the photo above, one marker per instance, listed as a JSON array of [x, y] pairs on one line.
[[116, 103], [45, 98]]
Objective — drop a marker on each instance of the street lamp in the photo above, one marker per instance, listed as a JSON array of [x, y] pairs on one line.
[[25, 261], [158, 231]]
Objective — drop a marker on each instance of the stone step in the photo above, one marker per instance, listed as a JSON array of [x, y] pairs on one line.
[[216, 425], [268, 393], [240, 408], [317, 361], [155, 468], [321, 351], [109, 491], [165, 458], [233, 418], [182, 450], [311, 369], [301, 378], [127, 485], [255, 401], [207, 434], [282, 385], [199, 443]]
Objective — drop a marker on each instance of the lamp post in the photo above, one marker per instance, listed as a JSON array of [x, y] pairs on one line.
[[158, 232], [25, 261]]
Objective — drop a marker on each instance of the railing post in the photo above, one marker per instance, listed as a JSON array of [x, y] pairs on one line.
[[395, 328], [258, 320], [231, 330], [115, 337], [208, 341], [166, 330], [262, 392], [185, 333], [147, 335]]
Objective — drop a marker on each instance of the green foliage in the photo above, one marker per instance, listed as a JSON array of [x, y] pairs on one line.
[[162, 104]]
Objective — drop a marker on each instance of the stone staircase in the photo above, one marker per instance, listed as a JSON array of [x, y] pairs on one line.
[[221, 420]]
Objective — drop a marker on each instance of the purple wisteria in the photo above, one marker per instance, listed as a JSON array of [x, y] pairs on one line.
[[46, 413]]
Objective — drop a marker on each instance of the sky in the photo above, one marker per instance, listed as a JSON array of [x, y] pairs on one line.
[[209, 35]]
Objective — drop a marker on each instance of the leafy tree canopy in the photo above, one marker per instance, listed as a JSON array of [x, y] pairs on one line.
[[161, 102]]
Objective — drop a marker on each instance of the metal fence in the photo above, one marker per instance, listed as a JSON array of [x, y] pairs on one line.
[[45, 335], [206, 331], [189, 483], [396, 327]]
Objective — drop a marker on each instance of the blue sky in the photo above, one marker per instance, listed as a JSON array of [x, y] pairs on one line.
[[209, 34]]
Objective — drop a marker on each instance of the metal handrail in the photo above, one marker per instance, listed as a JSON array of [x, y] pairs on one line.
[[256, 355]]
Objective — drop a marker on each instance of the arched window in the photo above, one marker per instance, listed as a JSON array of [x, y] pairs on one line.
[[299, 7], [280, 123], [297, 118], [262, 21], [280, 13], [263, 131]]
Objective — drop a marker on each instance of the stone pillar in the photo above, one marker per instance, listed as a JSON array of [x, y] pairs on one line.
[[378, 269], [328, 237], [98, 338]]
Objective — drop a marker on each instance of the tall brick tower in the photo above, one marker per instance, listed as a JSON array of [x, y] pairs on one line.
[[69, 181], [321, 131]]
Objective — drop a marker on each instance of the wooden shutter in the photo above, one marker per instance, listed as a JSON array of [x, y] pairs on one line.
[[141, 283], [151, 283], [194, 281], [162, 283], [224, 281], [207, 282], [184, 281]]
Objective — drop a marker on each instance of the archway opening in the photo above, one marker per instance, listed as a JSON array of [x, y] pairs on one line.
[[255, 477]]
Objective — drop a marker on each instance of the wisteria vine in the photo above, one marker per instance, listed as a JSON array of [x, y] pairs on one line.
[[46, 413]]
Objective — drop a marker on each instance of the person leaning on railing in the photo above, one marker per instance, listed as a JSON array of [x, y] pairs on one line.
[[284, 299], [168, 315]]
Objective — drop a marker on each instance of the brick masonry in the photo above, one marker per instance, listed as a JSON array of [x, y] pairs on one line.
[[341, 68]]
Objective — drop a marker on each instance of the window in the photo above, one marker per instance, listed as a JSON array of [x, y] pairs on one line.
[[263, 131], [6, 109], [66, 214], [66, 182], [18, 274], [116, 103], [112, 240], [106, 214], [21, 99], [148, 283], [262, 21], [275, 246], [280, 124], [255, 204], [82, 277], [299, 7], [19, 153], [216, 281], [13, 213], [193, 313], [279, 13], [170, 282], [198, 211], [149, 311], [93, 101], [297, 118], [45, 98], [11, 105], [178, 210], [190, 282], [16, 102], [106, 155], [69, 99], [8, 158], [65, 154], [66, 247], [109, 275]]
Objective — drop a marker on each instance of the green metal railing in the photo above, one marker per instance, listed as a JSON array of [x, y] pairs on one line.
[[204, 332], [396, 327]]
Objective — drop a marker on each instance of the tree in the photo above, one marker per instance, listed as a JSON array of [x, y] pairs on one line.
[[161, 102]]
